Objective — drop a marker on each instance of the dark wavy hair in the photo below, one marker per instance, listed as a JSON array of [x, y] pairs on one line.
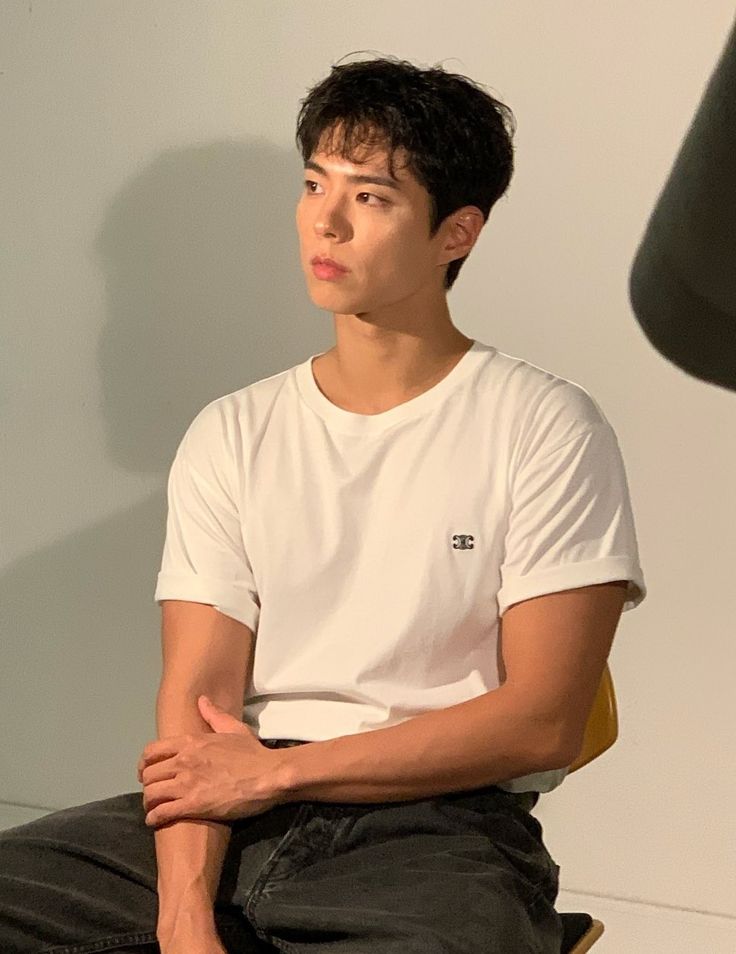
[[457, 137]]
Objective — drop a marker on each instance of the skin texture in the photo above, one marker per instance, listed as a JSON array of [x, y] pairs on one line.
[[533, 722], [203, 651], [223, 775], [393, 329]]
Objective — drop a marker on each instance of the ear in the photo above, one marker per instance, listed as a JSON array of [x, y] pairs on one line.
[[462, 230]]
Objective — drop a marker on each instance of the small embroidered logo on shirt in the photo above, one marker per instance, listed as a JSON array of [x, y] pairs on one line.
[[462, 541]]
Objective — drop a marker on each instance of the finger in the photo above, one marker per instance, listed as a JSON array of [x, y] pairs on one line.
[[218, 718], [162, 749], [207, 703], [140, 765], [159, 792], [158, 772], [170, 811]]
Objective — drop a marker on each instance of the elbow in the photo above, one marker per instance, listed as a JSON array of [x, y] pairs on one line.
[[558, 748], [559, 759], [567, 749]]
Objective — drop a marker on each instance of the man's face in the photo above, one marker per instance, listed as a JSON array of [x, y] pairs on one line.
[[378, 230]]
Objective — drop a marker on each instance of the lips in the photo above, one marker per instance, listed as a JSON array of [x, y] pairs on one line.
[[330, 262]]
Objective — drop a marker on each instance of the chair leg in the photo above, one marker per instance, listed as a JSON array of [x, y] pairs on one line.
[[589, 938]]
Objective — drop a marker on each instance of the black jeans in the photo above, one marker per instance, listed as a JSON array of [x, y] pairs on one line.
[[449, 874]]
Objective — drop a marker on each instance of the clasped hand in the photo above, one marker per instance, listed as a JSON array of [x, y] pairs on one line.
[[221, 776]]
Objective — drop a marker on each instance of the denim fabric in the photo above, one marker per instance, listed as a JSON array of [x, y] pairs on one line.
[[449, 874]]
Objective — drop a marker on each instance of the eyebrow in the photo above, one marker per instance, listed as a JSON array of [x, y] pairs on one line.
[[373, 179]]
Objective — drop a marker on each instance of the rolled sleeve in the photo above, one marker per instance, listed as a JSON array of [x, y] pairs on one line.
[[571, 522], [204, 558]]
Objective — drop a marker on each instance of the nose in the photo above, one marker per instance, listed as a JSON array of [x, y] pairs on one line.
[[329, 221], [323, 226]]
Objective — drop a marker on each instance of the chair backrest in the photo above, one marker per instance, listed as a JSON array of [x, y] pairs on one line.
[[601, 729]]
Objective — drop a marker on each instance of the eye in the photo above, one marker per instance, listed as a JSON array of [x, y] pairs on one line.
[[377, 197], [310, 182]]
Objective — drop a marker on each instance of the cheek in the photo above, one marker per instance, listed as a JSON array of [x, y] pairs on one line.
[[403, 255], [301, 217], [394, 239]]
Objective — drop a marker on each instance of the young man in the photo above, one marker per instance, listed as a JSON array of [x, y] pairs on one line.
[[408, 555]]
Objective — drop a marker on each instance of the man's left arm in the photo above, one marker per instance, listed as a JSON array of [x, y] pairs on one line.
[[554, 649]]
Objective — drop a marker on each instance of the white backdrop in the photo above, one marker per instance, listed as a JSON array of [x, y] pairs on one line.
[[151, 264]]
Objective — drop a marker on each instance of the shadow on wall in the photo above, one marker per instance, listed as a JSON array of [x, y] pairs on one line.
[[205, 295]]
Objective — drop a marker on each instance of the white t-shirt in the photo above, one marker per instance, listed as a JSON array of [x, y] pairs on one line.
[[373, 555]]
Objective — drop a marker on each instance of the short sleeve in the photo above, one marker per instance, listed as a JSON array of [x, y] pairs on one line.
[[204, 558], [570, 520]]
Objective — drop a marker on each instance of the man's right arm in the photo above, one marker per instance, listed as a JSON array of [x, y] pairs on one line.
[[204, 652]]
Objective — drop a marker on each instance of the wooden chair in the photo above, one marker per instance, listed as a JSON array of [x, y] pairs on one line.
[[581, 931]]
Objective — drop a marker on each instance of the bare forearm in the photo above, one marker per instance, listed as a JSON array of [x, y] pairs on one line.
[[189, 853], [465, 746]]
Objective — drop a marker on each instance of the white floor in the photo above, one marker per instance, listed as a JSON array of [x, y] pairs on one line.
[[630, 928]]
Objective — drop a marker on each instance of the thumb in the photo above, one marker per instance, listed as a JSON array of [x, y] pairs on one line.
[[217, 717]]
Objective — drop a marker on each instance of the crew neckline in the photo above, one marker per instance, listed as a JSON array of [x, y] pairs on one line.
[[351, 422]]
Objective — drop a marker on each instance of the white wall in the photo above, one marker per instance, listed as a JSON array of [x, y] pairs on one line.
[[151, 265]]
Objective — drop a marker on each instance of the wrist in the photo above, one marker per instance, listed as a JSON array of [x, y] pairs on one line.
[[285, 778], [191, 915], [175, 897]]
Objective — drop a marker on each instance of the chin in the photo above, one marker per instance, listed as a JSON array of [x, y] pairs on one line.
[[325, 296]]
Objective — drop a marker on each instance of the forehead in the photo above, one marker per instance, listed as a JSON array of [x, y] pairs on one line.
[[373, 174], [366, 163]]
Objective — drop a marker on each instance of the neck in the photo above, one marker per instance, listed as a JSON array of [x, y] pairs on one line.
[[372, 373]]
